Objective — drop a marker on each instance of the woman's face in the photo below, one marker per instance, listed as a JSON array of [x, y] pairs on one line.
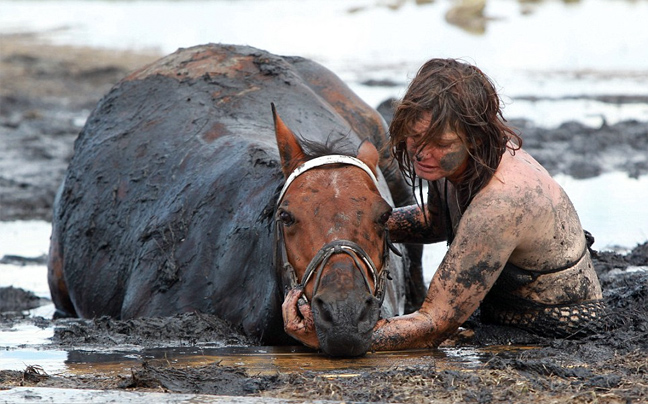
[[444, 157]]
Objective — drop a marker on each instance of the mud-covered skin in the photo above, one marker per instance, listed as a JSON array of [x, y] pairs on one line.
[[453, 160], [166, 204], [409, 223], [522, 217], [445, 157]]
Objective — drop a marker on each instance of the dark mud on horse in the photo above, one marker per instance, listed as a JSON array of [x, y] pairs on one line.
[[167, 206]]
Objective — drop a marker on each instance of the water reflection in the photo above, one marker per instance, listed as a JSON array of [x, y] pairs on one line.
[[254, 360], [271, 360]]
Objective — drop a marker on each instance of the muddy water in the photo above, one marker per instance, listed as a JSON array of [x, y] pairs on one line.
[[253, 360], [28, 343]]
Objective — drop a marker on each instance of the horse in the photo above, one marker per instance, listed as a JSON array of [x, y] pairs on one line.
[[188, 191]]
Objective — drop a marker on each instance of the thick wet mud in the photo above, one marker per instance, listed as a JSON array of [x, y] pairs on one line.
[[16, 299], [45, 95]]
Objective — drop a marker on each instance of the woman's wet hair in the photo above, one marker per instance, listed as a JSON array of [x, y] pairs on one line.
[[458, 97]]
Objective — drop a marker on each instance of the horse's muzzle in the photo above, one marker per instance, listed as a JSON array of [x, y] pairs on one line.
[[344, 321]]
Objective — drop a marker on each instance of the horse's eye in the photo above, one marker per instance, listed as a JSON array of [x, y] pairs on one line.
[[384, 217], [286, 218]]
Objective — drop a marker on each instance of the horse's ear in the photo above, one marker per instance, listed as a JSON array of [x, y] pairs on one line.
[[368, 154], [290, 151]]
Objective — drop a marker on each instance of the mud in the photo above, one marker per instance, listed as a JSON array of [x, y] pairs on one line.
[[183, 329], [16, 300], [46, 93]]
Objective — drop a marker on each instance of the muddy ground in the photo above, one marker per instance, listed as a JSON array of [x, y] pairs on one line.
[[45, 94]]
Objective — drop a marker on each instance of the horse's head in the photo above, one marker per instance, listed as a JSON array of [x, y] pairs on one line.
[[332, 240]]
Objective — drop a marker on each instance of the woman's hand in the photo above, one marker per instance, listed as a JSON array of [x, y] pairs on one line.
[[298, 319]]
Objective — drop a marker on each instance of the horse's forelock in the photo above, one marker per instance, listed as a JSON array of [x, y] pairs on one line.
[[335, 143]]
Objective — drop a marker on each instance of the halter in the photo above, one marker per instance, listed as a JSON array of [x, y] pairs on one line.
[[316, 266]]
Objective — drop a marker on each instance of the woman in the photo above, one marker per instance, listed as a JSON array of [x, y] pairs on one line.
[[516, 247]]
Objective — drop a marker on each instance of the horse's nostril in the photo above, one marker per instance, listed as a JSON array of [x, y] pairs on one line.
[[367, 309], [323, 309]]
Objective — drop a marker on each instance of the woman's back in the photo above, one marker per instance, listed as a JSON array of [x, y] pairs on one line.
[[552, 252]]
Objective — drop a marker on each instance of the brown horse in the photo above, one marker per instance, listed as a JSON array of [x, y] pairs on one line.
[[332, 237], [171, 202]]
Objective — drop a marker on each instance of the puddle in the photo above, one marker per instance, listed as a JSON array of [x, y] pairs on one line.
[[28, 277], [22, 335], [254, 360], [272, 360], [612, 207], [52, 361], [26, 238]]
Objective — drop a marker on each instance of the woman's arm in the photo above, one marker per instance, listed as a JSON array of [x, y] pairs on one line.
[[486, 237], [408, 224]]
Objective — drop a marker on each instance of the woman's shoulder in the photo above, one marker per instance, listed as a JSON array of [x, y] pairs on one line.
[[519, 161], [520, 170], [519, 181]]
